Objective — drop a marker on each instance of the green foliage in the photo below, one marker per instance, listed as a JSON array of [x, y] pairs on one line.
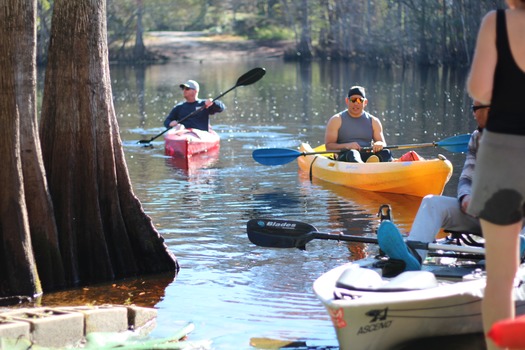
[[273, 33], [398, 31], [43, 23], [169, 15]]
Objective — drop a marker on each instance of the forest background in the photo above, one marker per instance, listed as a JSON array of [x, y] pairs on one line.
[[380, 32]]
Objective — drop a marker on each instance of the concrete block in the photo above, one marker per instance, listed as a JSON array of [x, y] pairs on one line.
[[12, 329], [142, 319], [104, 318], [51, 327]]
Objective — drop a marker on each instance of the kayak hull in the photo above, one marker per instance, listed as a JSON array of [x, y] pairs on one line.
[[384, 319], [196, 161], [415, 178], [188, 142]]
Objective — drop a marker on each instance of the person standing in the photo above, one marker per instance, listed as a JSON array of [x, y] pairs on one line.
[[204, 107], [497, 77], [440, 212], [354, 128]]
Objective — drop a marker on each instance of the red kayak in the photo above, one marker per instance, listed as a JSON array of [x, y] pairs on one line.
[[187, 142], [197, 161]]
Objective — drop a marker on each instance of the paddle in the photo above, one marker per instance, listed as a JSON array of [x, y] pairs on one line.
[[279, 156], [248, 78], [275, 233]]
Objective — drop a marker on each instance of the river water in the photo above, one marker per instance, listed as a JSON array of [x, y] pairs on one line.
[[236, 293]]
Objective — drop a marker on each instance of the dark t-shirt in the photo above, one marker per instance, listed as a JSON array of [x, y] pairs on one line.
[[199, 120]]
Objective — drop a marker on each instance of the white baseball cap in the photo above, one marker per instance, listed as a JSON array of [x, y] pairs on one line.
[[190, 84]]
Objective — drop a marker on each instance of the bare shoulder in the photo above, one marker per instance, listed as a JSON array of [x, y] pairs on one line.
[[374, 118], [489, 16], [336, 118], [489, 21]]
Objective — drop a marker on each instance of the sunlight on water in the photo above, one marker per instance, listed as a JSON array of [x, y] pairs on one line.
[[232, 290]]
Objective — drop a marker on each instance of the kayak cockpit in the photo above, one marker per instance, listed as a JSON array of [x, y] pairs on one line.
[[363, 279]]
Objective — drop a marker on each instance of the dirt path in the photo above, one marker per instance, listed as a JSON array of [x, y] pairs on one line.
[[200, 46]]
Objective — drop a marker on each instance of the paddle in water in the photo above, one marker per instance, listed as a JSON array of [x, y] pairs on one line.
[[280, 156], [275, 233], [248, 78]]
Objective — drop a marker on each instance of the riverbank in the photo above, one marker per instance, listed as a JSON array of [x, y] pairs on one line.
[[201, 46]]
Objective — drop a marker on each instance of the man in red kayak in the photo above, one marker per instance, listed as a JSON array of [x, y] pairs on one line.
[[192, 103], [436, 212]]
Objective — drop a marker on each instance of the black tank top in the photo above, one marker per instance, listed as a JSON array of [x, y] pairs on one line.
[[507, 112]]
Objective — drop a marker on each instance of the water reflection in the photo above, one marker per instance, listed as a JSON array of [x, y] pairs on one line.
[[355, 211], [145, 291], [232, 290]]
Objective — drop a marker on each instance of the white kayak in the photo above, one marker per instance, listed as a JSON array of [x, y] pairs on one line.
[[372, 312]]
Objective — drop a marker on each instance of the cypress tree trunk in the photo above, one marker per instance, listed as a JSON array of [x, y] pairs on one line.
[[139, 50], [103, 230], [18, 273]]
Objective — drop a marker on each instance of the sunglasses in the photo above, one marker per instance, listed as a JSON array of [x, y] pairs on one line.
[[475, 108], [357, 99], [185, 88]]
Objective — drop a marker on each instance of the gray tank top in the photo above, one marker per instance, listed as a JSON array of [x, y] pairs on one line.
[[356, 129]]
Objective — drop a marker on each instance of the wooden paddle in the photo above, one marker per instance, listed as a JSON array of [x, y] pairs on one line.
[[248, 78], [275, 233], [280, 156]]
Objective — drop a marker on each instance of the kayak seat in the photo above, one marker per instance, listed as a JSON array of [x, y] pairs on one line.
[[358, 278], [363, 279], [411, 280], [474, 239]]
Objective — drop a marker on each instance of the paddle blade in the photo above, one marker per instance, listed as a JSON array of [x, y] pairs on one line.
[[280, 233], [456, 144], [251, 77], [275, 156]]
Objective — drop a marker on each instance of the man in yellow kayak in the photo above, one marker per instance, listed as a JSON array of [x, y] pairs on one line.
[[436, 212], [354, 128]]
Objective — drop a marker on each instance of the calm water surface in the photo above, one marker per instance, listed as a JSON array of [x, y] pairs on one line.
[[230, 289]]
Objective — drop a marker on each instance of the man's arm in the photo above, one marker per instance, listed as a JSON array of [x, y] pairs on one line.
[[465, 179], [171, 117], [214, 106], [331, 132], [379, 137]]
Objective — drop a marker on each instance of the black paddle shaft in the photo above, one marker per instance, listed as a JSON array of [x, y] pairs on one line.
[[275, 233], [248, 78]]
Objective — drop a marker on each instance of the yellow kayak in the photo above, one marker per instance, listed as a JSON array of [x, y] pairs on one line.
[[415, 178]]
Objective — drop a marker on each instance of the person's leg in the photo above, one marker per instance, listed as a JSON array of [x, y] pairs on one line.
[[364, 155], [352, 156], [384, 155], [436, 212], [392, 243], [501, 263]]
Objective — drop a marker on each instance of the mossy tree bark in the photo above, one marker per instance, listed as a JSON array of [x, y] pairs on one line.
[[103, 230]]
